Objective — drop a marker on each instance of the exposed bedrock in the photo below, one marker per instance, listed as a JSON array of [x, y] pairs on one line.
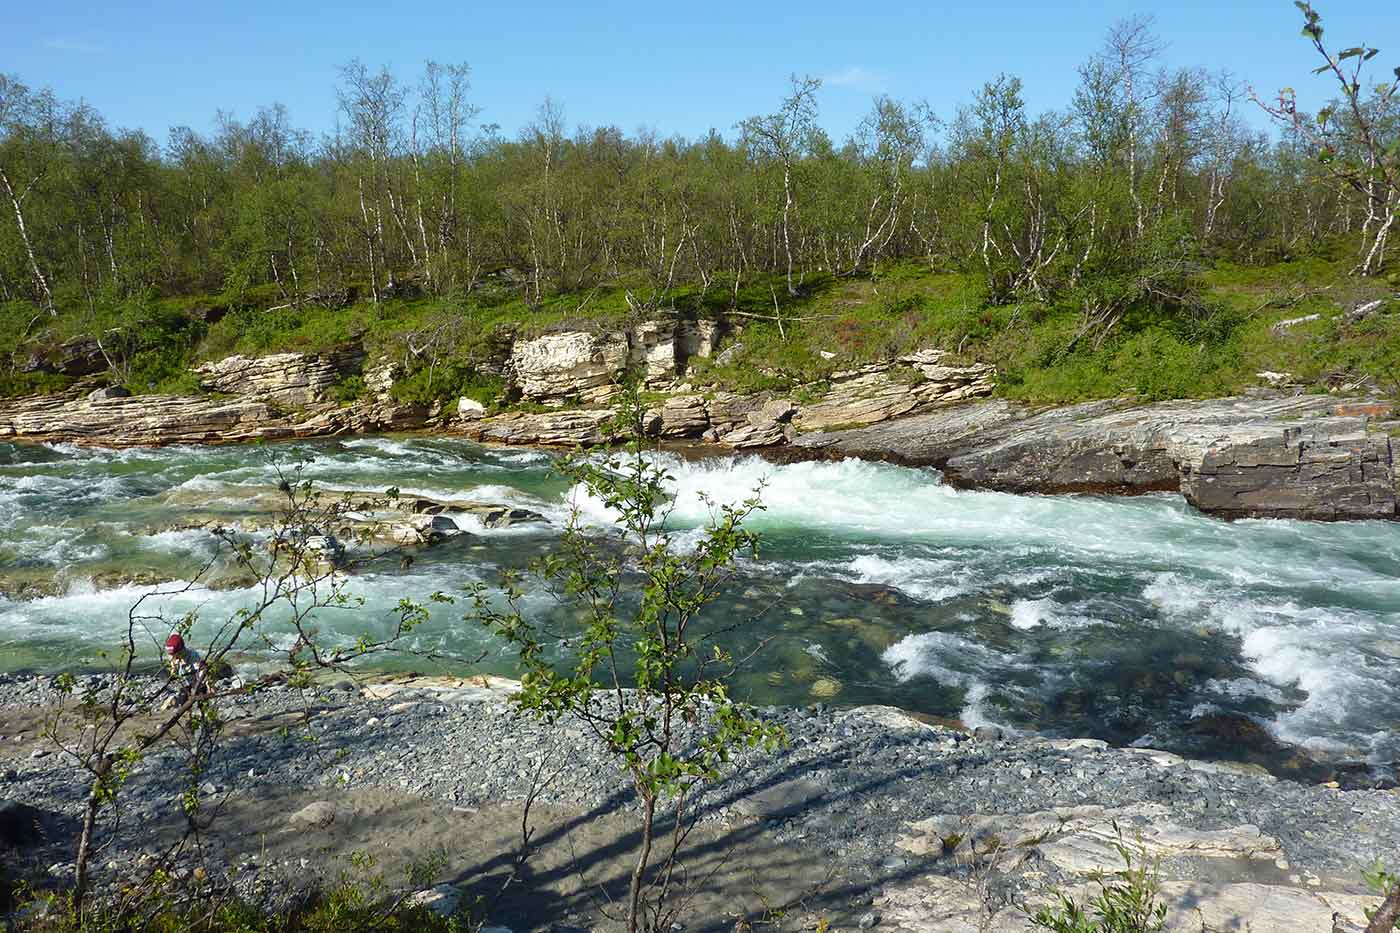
[[1279, 456]]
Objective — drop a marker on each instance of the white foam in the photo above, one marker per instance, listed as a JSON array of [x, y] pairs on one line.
[[1027, 614], [193, 541], [1322, 652], [952, 660], [921, 578]]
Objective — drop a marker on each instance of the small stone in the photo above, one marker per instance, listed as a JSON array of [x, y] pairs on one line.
[[868, 920], [442, 899], [39, 753], [319, 815]]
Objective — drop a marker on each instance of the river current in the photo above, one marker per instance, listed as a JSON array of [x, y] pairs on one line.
[[1135, 620]]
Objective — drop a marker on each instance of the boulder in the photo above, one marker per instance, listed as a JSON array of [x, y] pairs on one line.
[[748, 434], [80, 356], [469, 409], [782, 800], [380, 378], [316, 815], [776, 411], [695, 339], [442, 900], [678, 416], [98, 395]]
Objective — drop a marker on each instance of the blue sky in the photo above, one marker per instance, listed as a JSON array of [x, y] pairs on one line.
[[680, 68]]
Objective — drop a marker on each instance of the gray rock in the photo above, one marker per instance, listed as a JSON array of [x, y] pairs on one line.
[[97, 395], [317, 815], [782, 800], [288, 378], [442, 899], [1248, 456]]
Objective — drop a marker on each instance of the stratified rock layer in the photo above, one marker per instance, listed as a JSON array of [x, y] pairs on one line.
[[1276, 456], [287, 378]]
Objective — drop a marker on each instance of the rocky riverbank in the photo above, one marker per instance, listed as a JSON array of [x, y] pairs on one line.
[[1269, 454], [868, 816]]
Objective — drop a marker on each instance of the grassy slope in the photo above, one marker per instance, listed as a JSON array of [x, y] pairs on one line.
[[1215, 352]]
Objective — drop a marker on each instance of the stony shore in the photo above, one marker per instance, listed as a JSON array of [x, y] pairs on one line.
[[868, 817]]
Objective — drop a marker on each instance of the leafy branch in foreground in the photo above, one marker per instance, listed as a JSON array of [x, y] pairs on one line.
[[642, 676], [1126, 903], [293, 577], [1386, 916], [1355, 139]]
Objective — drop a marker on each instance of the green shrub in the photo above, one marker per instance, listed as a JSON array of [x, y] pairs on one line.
[[446, 383], [13, 385], [1126, 903], [344, 906], [162, 371], [348, 389]]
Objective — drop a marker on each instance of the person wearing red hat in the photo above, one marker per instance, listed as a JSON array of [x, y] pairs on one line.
[[185, 664]]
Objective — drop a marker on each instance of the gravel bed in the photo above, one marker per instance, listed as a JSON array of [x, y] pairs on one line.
[[848, 783]]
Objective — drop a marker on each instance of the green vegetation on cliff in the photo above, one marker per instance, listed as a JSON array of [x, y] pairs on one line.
[[1144, 237]]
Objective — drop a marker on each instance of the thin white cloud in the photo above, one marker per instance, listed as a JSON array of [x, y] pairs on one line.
[[855, 76], [64, 44]]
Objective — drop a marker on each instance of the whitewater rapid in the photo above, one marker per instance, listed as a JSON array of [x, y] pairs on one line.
[[1135, 619]]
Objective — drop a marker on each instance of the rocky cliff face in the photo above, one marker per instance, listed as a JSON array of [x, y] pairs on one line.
[[1267, 454], [294, 379], [587, 367], [158, 420]]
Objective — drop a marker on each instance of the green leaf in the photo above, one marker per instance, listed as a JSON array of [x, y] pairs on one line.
[[1320, 69], [1352, 52]]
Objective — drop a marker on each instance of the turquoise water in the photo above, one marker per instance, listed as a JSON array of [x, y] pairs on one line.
[[1136, 620]]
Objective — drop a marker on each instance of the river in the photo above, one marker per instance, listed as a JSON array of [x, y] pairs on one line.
[[1136, 620]]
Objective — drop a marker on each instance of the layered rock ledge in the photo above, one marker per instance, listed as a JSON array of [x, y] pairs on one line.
[[1265, 455], [1268, 454]]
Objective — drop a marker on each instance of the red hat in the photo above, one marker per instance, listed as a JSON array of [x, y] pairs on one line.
[[174, 643]]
